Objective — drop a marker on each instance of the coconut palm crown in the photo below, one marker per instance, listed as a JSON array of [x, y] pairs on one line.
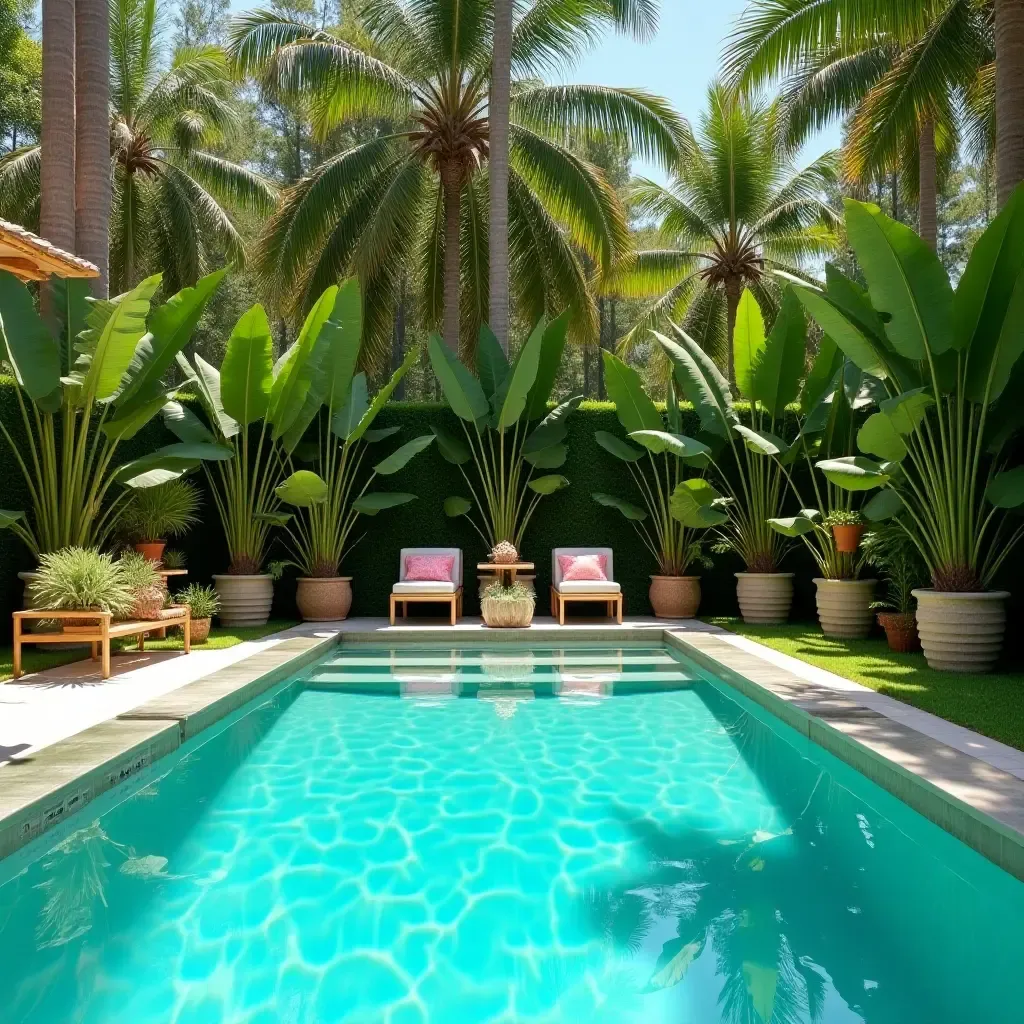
[[735, 212], [415, 194], [170, 192]]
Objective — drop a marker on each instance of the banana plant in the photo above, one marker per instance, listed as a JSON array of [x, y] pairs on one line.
[[338, 405], [498, 411], [768, 369], [676, 505], [83, 389], [938, 450], [253, 406]]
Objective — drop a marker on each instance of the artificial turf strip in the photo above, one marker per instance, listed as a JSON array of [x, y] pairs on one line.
[[38, 659], [991, 704]]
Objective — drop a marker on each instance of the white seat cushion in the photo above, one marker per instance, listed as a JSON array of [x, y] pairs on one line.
[[587, 587], [424, 587]]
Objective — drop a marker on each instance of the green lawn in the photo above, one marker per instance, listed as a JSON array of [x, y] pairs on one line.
[[37, 658], [990, 704]]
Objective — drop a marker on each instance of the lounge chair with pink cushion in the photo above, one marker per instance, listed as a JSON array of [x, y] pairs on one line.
[[428, 575], [584, 574]]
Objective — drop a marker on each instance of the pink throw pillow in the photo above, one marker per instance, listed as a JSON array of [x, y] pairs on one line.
[[583, 567], [429, 568]]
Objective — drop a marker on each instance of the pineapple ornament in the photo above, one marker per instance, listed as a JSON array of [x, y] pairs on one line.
[[504, 553]]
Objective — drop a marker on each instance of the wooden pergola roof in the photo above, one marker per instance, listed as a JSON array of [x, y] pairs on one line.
[[31, 258]]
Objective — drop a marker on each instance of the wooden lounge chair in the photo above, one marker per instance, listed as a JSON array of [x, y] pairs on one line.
[[434, 592], [563, 592], [99, 636]]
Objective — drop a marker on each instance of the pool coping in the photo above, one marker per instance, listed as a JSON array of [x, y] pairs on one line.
[[978, 803]]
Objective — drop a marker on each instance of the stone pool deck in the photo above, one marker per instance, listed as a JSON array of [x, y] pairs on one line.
[[67, 736]]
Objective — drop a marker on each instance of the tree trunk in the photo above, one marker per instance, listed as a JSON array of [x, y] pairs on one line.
[[927, 212], [497, 173], [57, 174], [610, 345], [451, 183], [894, 180], [1009, 36], [92, 137], [733, 291]]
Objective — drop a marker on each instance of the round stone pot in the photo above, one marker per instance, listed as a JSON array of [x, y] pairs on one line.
[[244, 600], [844, 607], [961, 632], [764, 597], [506, 614], [675, 597], [900, 630], [324, 599], [151, 549]]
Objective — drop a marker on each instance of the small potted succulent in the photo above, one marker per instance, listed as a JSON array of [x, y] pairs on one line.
[[155, 513], [80, 579], [890, 550], [847, 526], [507, 606], [145, 584], [203, 603]]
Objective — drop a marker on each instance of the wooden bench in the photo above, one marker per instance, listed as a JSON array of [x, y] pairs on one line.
[[611, 601], [99, 636]]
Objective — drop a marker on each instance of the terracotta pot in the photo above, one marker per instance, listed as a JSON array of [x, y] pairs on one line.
[[844, 607], [847, 538], [200, 630], [152, 549], [244, 600], [505, 614], [764, 597], [900, 630], [961, 632], [324, 598], [675, 597]]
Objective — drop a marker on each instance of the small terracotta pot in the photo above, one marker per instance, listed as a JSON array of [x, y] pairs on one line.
[[847, 538], [900, 630], [152, 549], [200, 630], [675, 597], [324, 598]]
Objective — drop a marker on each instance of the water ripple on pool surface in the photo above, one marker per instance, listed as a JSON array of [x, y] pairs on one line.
[[668, 856]]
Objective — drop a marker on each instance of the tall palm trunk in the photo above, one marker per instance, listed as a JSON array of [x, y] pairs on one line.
[[927, 190], [497, 115], [451, 186], [92, 137], [1009, 34], [733, 291], [57, 174]]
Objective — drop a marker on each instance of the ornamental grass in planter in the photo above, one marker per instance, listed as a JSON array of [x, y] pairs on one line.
[[153, 514], [939, 448], [507, 607], [146, 585], [81, 579], [677, 505], [203, 603]]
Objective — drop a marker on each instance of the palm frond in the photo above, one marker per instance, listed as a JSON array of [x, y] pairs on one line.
[[19, 185], [670, 306], [230, 182], [474, 257], [671, 208]]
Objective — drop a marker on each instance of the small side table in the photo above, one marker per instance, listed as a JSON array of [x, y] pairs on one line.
[[505, 572]]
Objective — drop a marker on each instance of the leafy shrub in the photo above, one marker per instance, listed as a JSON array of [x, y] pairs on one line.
[[203, 602], [843, 517], [155, 513], [174, 559], [82, 579], [890, 549]]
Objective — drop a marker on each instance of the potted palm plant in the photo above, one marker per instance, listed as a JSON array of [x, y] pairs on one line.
[[80, 579], [509, 434], [676, 506], [252, 404], [889, 549], [746, 464], [938, 449], [153, 514], [203, 604]]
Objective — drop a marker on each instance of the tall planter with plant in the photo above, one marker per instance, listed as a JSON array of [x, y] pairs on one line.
[[746, 464], [331, 499], [251, 404], [76, 410], [510, 436], [938, 450], [677, 506], [155, 513]]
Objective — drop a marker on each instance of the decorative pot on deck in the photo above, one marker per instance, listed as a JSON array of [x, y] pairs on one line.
[[324, 598], [764, 597], [244, 600], [505, 613], [844, 607], [675, 597], [961, 632]]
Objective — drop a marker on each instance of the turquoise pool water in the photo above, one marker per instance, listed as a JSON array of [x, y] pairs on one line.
[[460, 837]]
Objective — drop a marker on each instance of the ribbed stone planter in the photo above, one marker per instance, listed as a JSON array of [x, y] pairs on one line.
[[961, 632], [764, 597], [675, 597], [844, 607], [324, 599], [244, 600]]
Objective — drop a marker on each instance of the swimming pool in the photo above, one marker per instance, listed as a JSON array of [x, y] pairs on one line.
[[547, 835]]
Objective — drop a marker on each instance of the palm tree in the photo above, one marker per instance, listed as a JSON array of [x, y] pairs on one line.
[[416, 194], [1009, 92], [735, 212], [497, 171], [56, 180], [169, 193]]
